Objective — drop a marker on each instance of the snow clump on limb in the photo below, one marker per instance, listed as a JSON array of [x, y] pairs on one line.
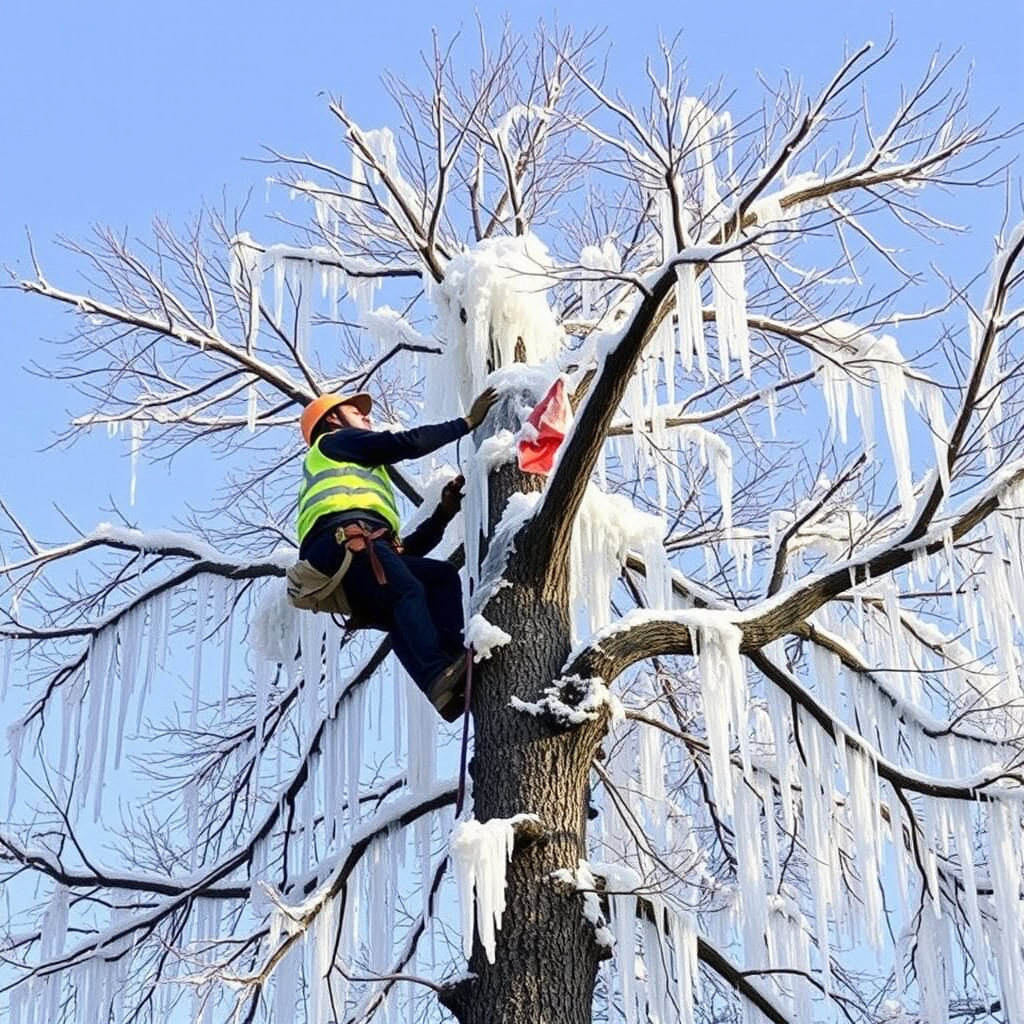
[[573, 701], [583, 881], [483, 637]]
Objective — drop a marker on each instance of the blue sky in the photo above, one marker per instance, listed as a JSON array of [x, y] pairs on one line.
[[114, 112]]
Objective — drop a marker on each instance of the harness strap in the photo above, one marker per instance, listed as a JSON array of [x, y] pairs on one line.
[[356, 537]]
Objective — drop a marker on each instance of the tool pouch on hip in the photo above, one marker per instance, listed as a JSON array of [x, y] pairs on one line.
[[312, 590]]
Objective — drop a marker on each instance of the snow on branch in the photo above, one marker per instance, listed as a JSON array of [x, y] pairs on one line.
[[198, 339]]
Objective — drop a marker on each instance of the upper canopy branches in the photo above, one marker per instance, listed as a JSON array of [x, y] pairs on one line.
[[772, 393]]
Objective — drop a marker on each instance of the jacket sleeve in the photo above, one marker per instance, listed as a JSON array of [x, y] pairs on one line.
[[427, 535], [382, 447]]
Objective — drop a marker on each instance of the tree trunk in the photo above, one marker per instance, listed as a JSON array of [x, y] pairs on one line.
[[546, 955]]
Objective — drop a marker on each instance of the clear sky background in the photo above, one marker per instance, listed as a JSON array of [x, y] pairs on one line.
[[115, 112]]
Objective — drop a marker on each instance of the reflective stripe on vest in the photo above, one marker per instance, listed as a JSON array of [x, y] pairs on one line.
[[329, 486]]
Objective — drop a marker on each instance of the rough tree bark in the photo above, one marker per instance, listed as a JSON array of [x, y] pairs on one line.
[[546, 956]]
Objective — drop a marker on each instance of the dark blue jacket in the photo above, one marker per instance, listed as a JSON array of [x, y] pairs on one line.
[[383, 448]]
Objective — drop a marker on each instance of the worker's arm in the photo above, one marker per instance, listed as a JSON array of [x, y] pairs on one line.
[[428, 534], [382, 447]]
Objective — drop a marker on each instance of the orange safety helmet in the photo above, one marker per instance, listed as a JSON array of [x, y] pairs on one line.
[[323, 404]]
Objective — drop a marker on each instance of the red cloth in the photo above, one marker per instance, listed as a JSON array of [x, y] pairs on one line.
[[550, 418]]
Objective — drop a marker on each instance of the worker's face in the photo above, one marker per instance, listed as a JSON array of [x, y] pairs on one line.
[[350, 416]]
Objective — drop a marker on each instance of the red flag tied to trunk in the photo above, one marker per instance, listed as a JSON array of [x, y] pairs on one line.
[[550, 420]]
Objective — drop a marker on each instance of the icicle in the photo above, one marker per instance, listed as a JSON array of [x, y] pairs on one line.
[[652, 784], [691, 320], [155, 609], [251, 407], [730, 297], [740, 543], [818, 828], [225, 665], [716, 454], [101, 704], [303, 308], [666, 224], [355, 722], [321, 964], [654, 959], [129, 632], [864, 830], [246, 273], [718, 660], [771, 401], [136, 430], [681, 937], [750, 878], [198, 637], [480, 854], [6, 659], [421, 740], [1006, 866], [621, 883], [893, 389]]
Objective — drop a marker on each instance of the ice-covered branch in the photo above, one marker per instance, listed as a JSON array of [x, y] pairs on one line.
[[204, 340], [551, 527], [1003, 272], [100, 877], [162, 543], [377, 152], [648, 634], [782, 549], [324, 256]]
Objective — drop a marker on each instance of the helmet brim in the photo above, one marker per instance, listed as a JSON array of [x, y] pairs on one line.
[[361, 400]]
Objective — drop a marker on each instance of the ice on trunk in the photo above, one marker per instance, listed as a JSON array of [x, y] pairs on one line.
[[480, 854]]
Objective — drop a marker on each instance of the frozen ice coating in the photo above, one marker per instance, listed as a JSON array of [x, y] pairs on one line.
[[715, 453], [589, 697], [724, 693], [848, 359], [759, 812], [492, 310], [596, 259], [607, 528], [730, 298], [584, 881], [273, 634], [480, 854], [246, 276], [390, 328], [690, 320]]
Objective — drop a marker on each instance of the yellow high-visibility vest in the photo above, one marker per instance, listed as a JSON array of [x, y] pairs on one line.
[[331, 486]]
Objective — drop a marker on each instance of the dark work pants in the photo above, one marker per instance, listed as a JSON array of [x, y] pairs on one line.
[[420, 604]]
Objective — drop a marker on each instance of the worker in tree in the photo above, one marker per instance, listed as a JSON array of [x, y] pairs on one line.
[[348, 513]]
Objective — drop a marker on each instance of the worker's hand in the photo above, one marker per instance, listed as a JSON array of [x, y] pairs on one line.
[[480, 407], [451, 496]]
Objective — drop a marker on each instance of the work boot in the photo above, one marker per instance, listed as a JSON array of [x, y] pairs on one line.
[[447, 692]]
